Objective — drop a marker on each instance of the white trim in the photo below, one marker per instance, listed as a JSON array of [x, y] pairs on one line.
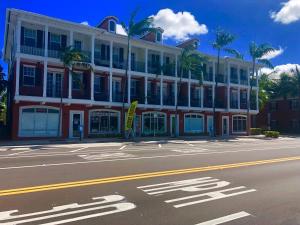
[[108, 26], [71, 113]]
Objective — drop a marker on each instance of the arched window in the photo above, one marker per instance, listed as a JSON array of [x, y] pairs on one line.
[[239, 124], [38, 121], [154, 123], [193, 123], [104, 122], [112, 26]]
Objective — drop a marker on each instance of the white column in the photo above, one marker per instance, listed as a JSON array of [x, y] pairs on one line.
[[71, 38], [239, 98], [46, 40], [70, 85], [45, 78], [92, 84], [161, 61], [93, 49], [110, 69], [257, 105], [239, 74], [146, 60], [146, 90], [18, 34], [176, 65], [202, 95], [189, 90], [175, 92], [214, 83], [129, 76], [248, 89], [17, 76], [161, 91]]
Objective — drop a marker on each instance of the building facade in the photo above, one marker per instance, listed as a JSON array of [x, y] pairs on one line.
[[281, 115], [93, 98]]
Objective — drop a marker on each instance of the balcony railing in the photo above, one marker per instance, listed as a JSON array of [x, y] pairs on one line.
[[101, 62], [87, 56], [208, 77], [169, 70], [196, 102], [207, 103], [153, 99], [54, 53], [32, 50], [138, 66], [154, 69], [244, 81], [234, 80], [221, 78], [220, 104], [243, 104], [253, 82], [117, 63], [101, 96]]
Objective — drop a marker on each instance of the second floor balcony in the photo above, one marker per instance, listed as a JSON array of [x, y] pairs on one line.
[[196, 102], [153, 99]]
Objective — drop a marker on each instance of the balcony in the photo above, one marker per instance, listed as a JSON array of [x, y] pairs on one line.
[[234, 104], [101, 96], [169, 70], [208, 77], [153, 99], [207, 103], [32, 50], [140, 99], [169, 100], [244, 81], [138, 66], [243, 104], [221, 78], [101, 62], [220, 104], [182, 101], [196, 102], [87, 56], [234, 79], [253, 82], [54, 53], [117, 97], [154, 68], [118, 63]]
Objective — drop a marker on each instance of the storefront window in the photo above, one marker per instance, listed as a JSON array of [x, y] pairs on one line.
[[193, 123], [104, 122], [239, 124], [154, 123]]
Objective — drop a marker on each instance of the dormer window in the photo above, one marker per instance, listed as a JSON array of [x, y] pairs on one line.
[[112, 26], [158, 36]]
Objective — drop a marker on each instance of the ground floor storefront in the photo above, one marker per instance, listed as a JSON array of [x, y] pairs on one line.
[[31, 120]]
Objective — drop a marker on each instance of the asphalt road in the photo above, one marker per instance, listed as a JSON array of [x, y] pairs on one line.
[[247, 181]]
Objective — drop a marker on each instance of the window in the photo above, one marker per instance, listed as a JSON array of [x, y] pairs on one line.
[[39, 121], [239, 124], [193, 123], [133, 87], [77, 45], [30, 37], [154, 123], [295, 105], [112, 26], [99, 84], [295, 124], [55, 41], [54, 82], [273, 106], [77, 81], [234, 99], [104, 122], [158, 36], [28, 76]]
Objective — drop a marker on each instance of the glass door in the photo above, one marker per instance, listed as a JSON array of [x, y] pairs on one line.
[[76, 123]]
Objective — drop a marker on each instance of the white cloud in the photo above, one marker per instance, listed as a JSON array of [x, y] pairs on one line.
[[273, 54], [275, 73], [179, 26], [289, 13], [120, 30], [85, 23]]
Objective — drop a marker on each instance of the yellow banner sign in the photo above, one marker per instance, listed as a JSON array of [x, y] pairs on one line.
[[130, 115]]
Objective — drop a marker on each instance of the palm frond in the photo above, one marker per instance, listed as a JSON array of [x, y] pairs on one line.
[[266, 63], [234, 52]]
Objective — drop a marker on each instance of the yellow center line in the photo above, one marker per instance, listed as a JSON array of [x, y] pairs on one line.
[[139, 176]]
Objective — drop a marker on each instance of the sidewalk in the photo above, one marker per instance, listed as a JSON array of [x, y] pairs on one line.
[[128, 141]]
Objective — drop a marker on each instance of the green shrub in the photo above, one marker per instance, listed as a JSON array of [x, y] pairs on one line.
[[272, 134], [256, 131]]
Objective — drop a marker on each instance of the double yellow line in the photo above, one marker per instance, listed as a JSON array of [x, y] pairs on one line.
[[139, 176]]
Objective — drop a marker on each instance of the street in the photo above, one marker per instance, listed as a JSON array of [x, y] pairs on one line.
[[167, 182]]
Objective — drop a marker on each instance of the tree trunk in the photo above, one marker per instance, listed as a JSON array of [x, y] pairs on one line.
[[123, 90], [214, 96], [176, 106], [60, 104], [249, 99]]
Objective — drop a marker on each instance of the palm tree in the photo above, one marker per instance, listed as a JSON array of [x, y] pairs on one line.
[[189, 60], [133, 29], [222, 40], [3, 95], [3, 82], [257, 52], [69, 57]]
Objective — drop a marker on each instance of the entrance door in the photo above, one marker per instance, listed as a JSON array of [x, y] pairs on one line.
[[76, 119], [173, 125], [137, 125], [210, 125], [225, 125]]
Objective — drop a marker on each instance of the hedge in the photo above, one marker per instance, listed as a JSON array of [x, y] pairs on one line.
[[272, 134], [256, 131]]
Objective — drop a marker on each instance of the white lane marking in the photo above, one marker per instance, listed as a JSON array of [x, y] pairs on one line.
[[195, 185], [190, 150], [112, 160], [18, 153], [159, 145], [19, 149], [116, 205], [77, 150], [106, 156], [226, 219], [124, 146]]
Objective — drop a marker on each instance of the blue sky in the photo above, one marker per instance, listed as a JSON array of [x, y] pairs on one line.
[[249, 20]]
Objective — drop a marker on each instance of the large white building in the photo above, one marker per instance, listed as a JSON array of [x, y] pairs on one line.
[[93, 98]]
